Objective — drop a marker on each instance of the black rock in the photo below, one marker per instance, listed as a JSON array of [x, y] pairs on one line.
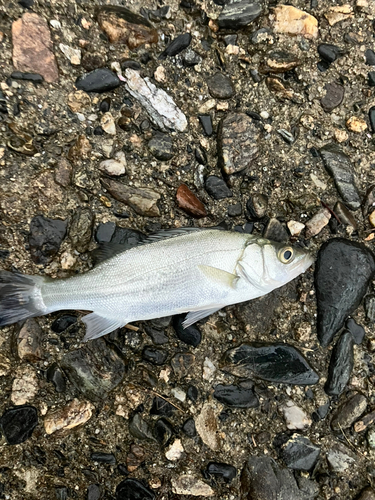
[[279, 363], [188, 428], [323, 410], [261, 35], [339, 166], [56, 376], [370, 307], [200, 155], [222, 471], [192, 393], [323, 66], [129, 238], [235, 210], [371, 78], [154, 355], [340, 365], [158, 337], [350, 411], [19, 423], [45, 238], [276, 231], [371, 116], [230, 39], [27, 4], [190, 58], [104, 458], [206, 123], [99, 80], [333, 97], [356, 330], [139, 428], [31, 77], [163, 431], [94, 492], [190, 335], [220, 86], [180, 43], [94, 369], [217, 188], [105, 105], [161, 146], [237, 396], [98, 130], [130, 63], [235, 15], [370, 57], [104, 232], [162, 407], [61, 493], [257, 206], [63, 322], [341, 265], [299, 453], [160, 323], [329, 52], [132, 489]]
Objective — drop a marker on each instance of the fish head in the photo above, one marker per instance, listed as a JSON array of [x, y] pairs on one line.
[[271, 264]]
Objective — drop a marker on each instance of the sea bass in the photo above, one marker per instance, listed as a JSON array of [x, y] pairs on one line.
[[194, 271]]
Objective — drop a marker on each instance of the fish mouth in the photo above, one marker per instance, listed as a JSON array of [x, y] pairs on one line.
[[304, 262]]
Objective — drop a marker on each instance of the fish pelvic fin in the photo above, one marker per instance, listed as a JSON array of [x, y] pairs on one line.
[[194, 316], [20, 297], [97, 326]]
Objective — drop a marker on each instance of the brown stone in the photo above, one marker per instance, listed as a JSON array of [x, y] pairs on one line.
[[29, 341], [32, 47], [63, 173], [78, 101], [278, 62], [74, 414], [356, 125], [277, 87], [338, 13], [123, 26], [365, 422], [135, 457], [333, 97], [142, 200], [81, 149], [294, 21], [189, 202]]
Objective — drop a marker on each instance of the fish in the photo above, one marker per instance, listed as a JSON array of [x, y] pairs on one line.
[[189, 270]]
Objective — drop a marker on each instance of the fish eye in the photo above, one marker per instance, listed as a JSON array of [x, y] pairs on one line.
[[286, 255]]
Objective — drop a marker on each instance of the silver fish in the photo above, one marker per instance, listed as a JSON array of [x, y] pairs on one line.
[[197, 271]]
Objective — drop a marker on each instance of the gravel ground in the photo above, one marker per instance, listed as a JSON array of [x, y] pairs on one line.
[[281, 113]]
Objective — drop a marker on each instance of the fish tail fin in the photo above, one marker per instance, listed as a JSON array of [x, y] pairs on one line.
[[20, 297]]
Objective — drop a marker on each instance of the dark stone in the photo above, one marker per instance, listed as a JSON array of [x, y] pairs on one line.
[[104, 232], [230, 40], [220, 86], [370, 57], [180, 43], [276, 231], [188, 428], [162, 407], [235, 210], [62, 323], [192, 393], [341, 265], [200, 155], [340, 365], [371, 78], [333, 97], [323, 410], [61, 493], [99, 80], [345, 216], [27, 4], [237, 396], [98, 130], [339, 166], [261, 35], [371, 116], [370, 307], [31, 77], [132, 489], [94, 492], [206, 123], [160, 323], [182, 364], [129, 238], [217, 188], [356, 330], [222, 471], [104, 458], [239, 14], [329, 52], [81, 226], [130, 63], [45, 238], [161, 146], [154, 355], [105, 105], [56, 376], [349, 412], [190, 58], [158, 337], [19, 423], [299, 453], [139, 428], [94, 369], [163, 431], [323, 66], [279, 363], [190, 335], [257, 206]]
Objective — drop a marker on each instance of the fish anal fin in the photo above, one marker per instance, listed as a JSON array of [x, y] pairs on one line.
[[194, 316], [97, 326], [219, 276]]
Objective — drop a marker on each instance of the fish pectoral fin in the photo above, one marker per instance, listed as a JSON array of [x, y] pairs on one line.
[[194, 316], [219, 276], [97, 325]]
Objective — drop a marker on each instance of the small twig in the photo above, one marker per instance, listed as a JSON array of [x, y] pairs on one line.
[[330, 211]]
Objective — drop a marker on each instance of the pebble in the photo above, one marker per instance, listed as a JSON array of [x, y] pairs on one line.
[[279, 62], [317, 223], [200, 155], [80, 232], [275, 231], [220, 86], [340, 458], [115, 166], [370, 307], [108, 124], [121, 25], [182, 364], [217, 188], [190, 485], [349, 412], [235, 210], [367, 494], [63, 322], [163, 431], [257, 206], [63, 173], [370, 57], [18, 424], [94, 369], [371, 78], [56, 376], [178, 44], [81, 150], [339, 166], [364, 422], [329, 52], [189, 428], [32, 47], [333, 97], [188, 202], [295, 227], [94, 492], [98, 80], [142, 200], [103, 458], [160, 107], [30, 77], [105, 105], [29, 341], [345, 216], [237, 396], [190, 58], [25, 385], [45, 238], [238, 139], [206, 123], [161, 146], [158, 337], [221, 470], [139, 428], [135, 457], [353, 275], [236, 15], [190, 335], [295, 417], [132, 489], [154, 355], [340, 365], [299, 453], [356, 125], [162, 407], [73, 55], [371, 115], [338, 13], [293, 21], [74, 414], [175, 451], [206, 424], [279, 363], [356, 330]]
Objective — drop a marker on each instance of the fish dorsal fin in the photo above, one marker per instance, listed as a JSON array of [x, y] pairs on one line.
[[166, 234], [219, 276], [106, 251]]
